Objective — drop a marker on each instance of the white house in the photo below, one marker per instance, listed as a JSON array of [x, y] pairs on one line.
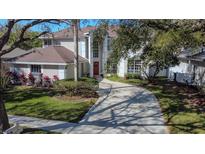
[[191, 68], [134, 65], [88, 47], [54, 43], [50, 61]]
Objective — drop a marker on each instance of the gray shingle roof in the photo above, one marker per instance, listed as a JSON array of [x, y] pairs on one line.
[[68, 33], [51, 54], [15, 53], [197, 55]]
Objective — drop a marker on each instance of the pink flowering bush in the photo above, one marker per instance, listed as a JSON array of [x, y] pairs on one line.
[[31, 78], [46, 81], [23, 79]]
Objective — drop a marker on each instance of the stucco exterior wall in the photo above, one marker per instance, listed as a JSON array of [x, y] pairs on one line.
[[62, 71], [163, 72], [49, 70], [183, 70], [67, 43], [20, 68], [70, 45], [122, 68], [69, 71]]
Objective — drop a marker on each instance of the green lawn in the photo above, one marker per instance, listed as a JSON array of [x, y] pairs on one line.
[[36, 131], [183, 107], [44, 103]]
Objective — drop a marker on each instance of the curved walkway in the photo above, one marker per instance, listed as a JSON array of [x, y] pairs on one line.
[[125, 109], [122, 108]]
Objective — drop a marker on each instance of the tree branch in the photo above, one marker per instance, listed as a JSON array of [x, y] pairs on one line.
[[16, 44], [5, 38]]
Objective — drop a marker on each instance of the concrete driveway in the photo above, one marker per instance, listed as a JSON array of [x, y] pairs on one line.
[[122, 108]]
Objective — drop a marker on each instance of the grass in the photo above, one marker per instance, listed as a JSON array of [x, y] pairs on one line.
[[183, 106], [44, 103], [36, 131]]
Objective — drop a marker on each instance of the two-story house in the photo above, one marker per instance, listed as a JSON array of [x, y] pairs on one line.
[[56, 57], [88, 46]]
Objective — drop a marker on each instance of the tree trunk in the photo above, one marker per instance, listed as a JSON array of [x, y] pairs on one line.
[[156, 70], [76, 63], [100, 59], [4, 121]]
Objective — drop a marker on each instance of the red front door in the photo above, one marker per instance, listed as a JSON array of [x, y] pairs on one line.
[[96, 68]]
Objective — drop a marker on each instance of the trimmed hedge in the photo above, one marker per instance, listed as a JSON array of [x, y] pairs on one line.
[[86, 87], [133, 76]]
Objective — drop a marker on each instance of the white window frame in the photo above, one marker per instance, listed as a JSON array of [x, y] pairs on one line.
[[95, 50], [38, 67], [46, 42], [135, 67], [109, 41]]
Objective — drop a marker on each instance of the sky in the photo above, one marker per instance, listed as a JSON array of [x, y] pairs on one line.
[[53, 27]]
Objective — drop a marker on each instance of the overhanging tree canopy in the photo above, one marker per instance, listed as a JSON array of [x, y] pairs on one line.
[[161, 40]]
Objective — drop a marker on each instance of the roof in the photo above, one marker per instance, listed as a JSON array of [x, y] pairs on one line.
[[17, 52], [185, 53], [68, 33], [51, 54], [197, 55]]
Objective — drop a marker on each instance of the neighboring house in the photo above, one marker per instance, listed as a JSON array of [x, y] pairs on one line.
[[191, 68], [134, 65], [50, 61]]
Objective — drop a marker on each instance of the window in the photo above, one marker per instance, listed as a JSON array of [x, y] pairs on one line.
[[134, 66], [57, 42], [47, 42], [95, 49], [111, 66], [109, 42], [86, 48], [35, 68]]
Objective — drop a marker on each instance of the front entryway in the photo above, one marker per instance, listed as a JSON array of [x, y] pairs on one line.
[[96, 68]]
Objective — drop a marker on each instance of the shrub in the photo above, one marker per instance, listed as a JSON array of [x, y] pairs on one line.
[[47, 81], [89, 80], [72, 88], [133, 76], [15, 76], [46, 78], [31, 78], [23, 79], [55, 78]]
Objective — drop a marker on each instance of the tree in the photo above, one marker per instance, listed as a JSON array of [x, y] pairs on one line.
[[24, 45], [161, 40], [75, 25], [5, 37]]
